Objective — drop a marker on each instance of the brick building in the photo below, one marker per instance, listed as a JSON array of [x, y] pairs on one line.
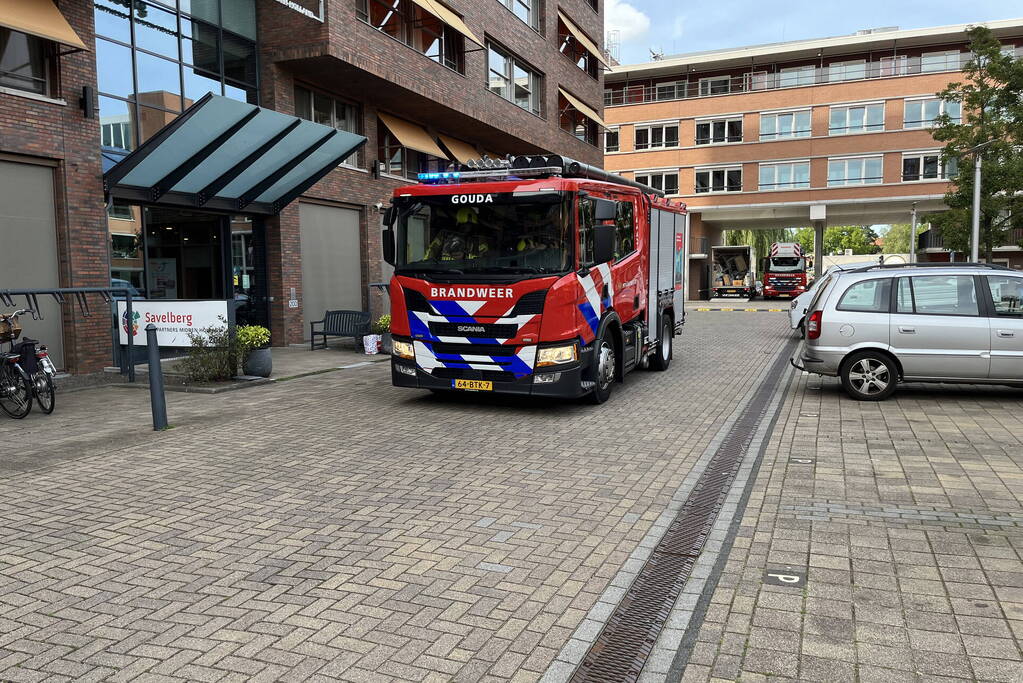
[[84, 83], [832, 131]]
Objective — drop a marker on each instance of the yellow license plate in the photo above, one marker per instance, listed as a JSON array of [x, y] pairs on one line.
[[472, 384]]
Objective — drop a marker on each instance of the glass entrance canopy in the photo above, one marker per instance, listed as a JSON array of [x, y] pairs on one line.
[[227, 155]]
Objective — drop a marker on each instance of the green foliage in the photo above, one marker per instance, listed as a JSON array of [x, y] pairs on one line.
[[991, 96], [213, 355], [252, 337], [382, 324], [760, 240], [837, 239], [896, 240]]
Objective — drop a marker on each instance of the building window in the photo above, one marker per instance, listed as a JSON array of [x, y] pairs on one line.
[[666, 182], [797, 75], [926, 166], [719, 180], [715, 85], [402, 161], [576, 51], [120, 211], [513, 80], [575, 123], [669, 91], [611, 140], [320, 108], [947, 60], [756, 80], [412, 25], [719, 130], [922, 113], [856, 171], [789, 124], [24, 62], [847, 71], [153, 62], [787, 176], [526, 10], [860, 118], [657, 137]]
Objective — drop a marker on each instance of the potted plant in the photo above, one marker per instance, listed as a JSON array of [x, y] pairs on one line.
[[254, 344], [383, 327]]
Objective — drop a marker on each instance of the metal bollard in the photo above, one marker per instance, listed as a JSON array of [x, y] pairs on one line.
[[157, 399]]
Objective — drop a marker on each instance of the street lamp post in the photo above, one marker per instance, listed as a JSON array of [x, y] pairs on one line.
[[975, 247]]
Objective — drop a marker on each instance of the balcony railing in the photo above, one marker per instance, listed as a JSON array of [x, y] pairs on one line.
[[931, 239], [756, 81]]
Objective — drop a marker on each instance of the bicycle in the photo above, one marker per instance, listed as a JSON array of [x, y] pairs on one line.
[[41, 375], [16, 388]]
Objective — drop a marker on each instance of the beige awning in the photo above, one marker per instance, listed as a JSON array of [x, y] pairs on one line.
[[581, 37], [412, 136], [582, 108], [462, 151], [39, 18], [448, 17]]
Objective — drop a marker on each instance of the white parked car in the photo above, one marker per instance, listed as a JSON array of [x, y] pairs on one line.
[[797, 311]]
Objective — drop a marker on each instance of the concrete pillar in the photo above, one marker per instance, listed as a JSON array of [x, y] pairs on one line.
[[818, 248]]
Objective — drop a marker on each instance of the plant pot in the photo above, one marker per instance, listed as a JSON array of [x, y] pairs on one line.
[[258, 363], [371, 343], [385, 342]]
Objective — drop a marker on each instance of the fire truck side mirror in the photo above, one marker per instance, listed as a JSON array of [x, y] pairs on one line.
[[388, 246], [389, 215], [604, 210], [603, 242]]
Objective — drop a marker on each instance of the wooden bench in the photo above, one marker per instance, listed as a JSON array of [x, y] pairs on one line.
[[353, 324]]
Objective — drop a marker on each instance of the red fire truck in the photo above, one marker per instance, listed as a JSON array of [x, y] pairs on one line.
[[785, 271], [534, 275]]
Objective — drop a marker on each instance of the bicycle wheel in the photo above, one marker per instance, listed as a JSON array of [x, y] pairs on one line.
[[15, 392], [42, 387]]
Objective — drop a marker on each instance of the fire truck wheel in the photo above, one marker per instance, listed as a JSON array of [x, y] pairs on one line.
[[661, 358], [605, 368]]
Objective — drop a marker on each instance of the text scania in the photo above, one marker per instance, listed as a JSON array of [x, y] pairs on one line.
[[472, 199], [471, 292], [179, 318]]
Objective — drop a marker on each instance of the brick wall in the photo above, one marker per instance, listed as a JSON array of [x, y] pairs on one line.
[[60, 132]]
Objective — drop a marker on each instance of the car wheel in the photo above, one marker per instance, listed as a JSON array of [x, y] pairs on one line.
[[869, 376], [663, 355], [802, 328]]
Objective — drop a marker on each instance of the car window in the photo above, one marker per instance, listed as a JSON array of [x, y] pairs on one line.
[[1006, 294], [944, 295], [818, 290], [904, 296], [868, 296]]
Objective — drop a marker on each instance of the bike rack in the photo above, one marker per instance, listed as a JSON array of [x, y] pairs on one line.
[[79, 294]]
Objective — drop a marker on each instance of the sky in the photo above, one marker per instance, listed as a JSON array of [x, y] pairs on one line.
[[676, 26]]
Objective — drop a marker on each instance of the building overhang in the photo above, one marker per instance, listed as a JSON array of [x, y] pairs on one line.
[[226, 155], [797, 214]]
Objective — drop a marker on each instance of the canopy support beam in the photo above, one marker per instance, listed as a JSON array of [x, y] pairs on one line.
[[262, 186], [210, 191]]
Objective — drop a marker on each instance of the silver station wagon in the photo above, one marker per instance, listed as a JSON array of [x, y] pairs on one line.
[[928, 322]]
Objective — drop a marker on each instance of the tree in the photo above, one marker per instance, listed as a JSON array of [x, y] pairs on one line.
[[839, 238], [760, 240], [991, 100], [896, 240]]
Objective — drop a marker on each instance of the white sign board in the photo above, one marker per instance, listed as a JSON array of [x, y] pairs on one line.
[[173, 319]]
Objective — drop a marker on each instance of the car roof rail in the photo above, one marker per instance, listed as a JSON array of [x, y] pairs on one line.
[[930, 264]]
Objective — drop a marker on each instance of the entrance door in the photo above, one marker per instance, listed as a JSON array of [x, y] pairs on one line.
[[28, 258], [1006, 326], [331, 263], [937, 329]]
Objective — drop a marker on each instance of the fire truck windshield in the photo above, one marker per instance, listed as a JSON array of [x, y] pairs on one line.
[[495, 233], [787, 264]]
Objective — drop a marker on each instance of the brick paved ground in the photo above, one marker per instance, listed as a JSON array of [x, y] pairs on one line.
[[908, 523], [336, 528]]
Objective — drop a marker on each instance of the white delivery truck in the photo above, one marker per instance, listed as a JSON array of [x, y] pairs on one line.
[[733, 273]]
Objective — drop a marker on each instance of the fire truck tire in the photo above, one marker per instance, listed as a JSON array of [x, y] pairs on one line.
[[661, 358], [605, 366]]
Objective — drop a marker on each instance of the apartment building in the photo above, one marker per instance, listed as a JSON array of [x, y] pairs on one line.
[[831, 131], [323, 107]]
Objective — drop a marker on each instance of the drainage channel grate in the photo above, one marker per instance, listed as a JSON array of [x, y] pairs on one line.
[[623, 646]]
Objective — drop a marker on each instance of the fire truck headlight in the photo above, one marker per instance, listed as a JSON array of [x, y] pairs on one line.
[[403, 349], [557, 355]]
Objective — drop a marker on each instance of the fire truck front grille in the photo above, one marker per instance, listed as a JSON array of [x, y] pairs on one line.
[[495, 350], [477, 330], [463, 373], [780, 283]]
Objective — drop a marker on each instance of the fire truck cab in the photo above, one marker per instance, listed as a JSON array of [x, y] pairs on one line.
[[535, 275]]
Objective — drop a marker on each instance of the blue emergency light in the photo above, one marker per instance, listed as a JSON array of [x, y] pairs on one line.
[[434, 177]]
